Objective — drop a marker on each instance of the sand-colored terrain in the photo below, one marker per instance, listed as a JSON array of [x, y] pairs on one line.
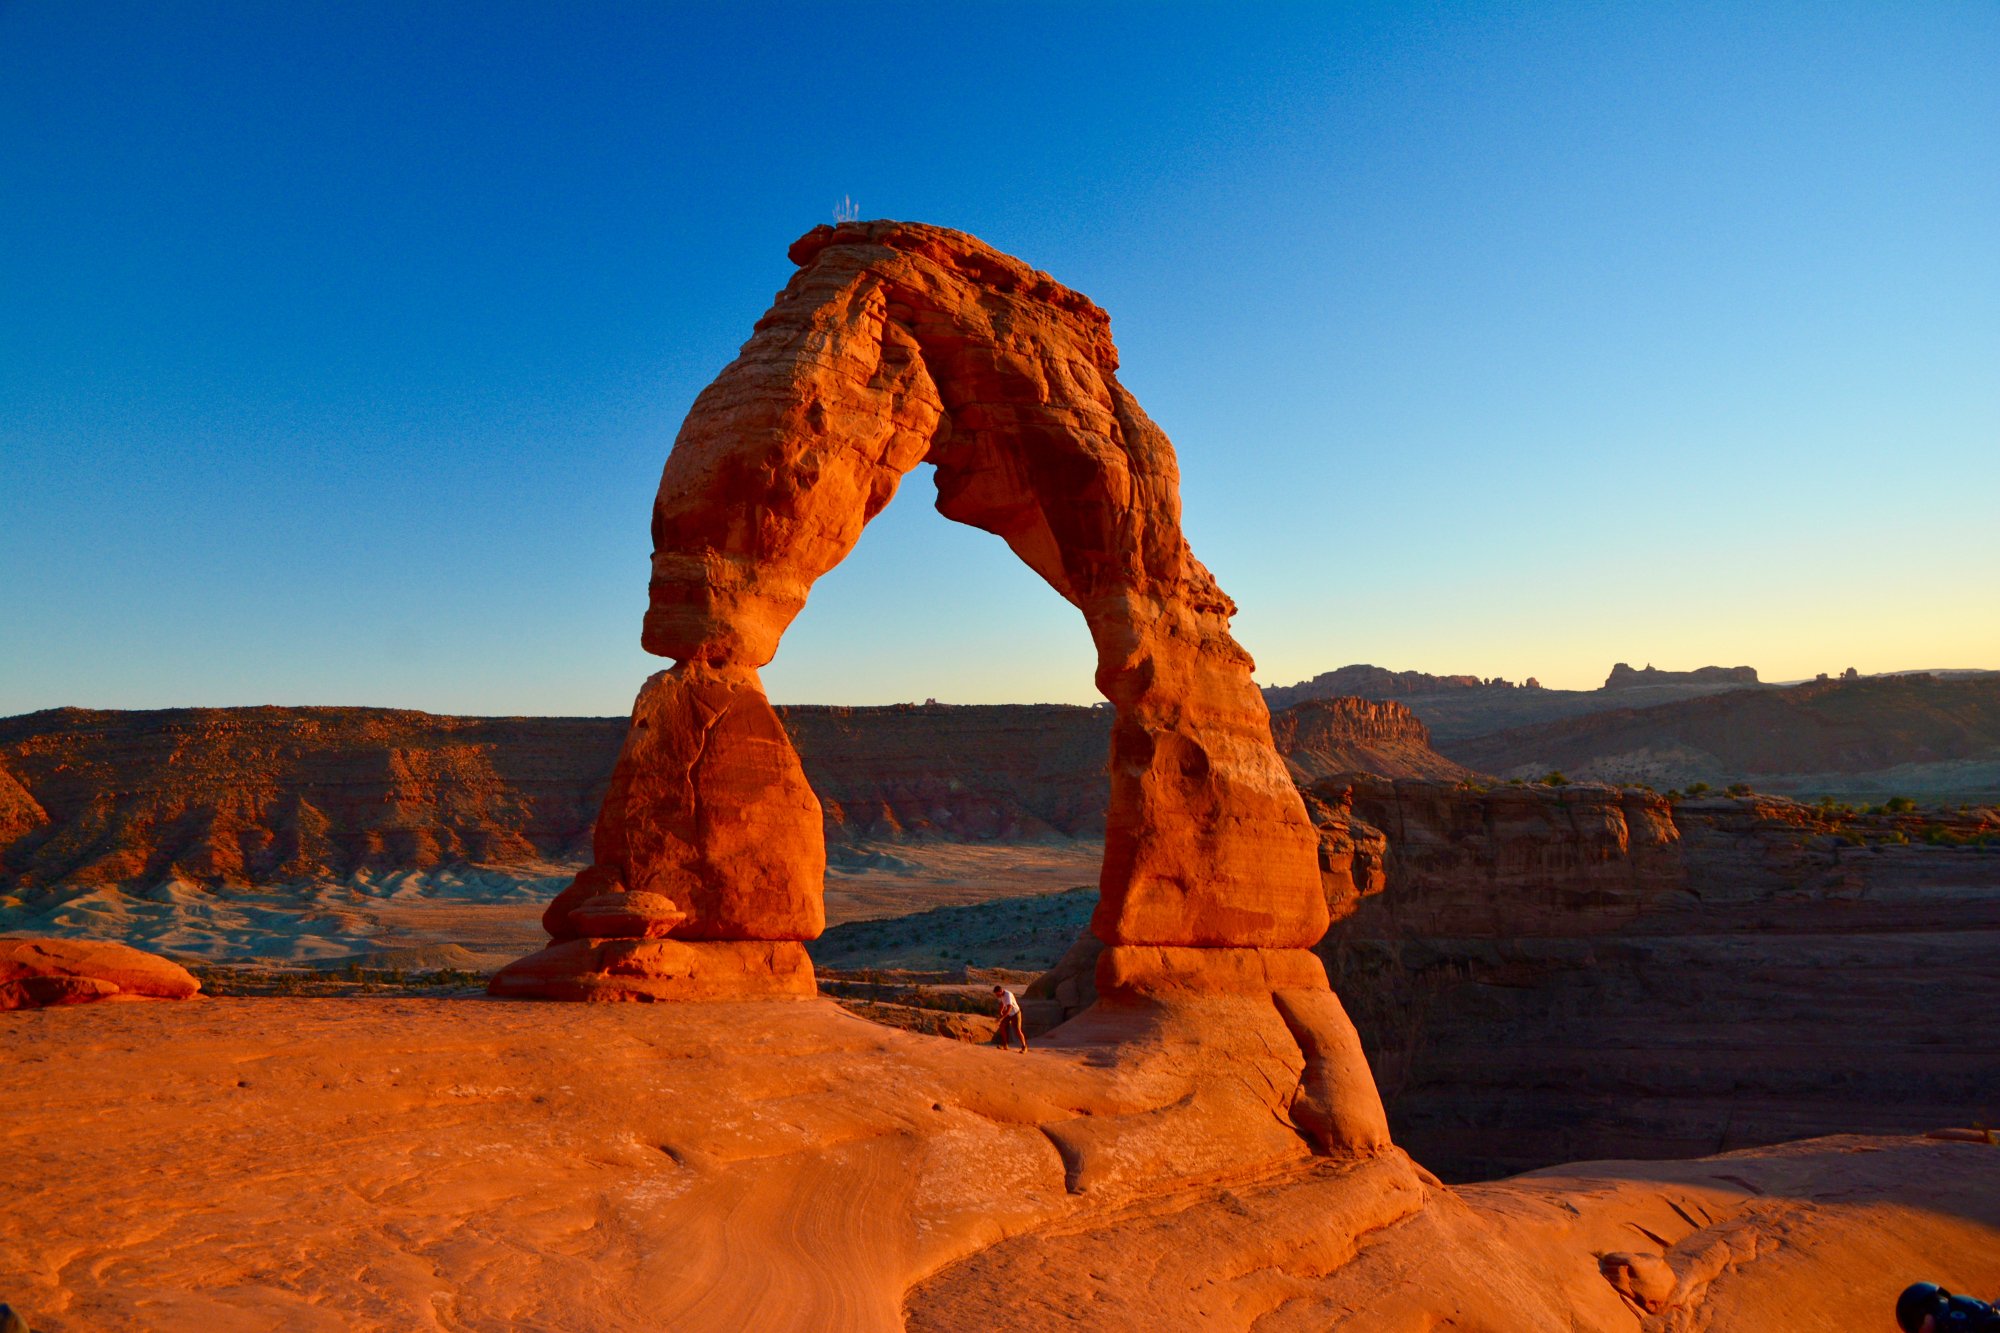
[[222, 1164]]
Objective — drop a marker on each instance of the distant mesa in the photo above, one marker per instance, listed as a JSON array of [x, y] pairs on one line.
[[1623, 677], [1362, 681], [1882, 734]]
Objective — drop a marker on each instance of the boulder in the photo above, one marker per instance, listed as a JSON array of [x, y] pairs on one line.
[[35, 973]]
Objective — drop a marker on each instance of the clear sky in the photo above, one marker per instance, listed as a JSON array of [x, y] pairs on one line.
[[341, 343]]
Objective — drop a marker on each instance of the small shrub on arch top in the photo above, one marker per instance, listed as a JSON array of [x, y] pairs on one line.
[[1554, 778]]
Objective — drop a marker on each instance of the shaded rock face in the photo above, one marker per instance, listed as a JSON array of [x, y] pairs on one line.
[[1555, 974], [36, 973], [898, 344]]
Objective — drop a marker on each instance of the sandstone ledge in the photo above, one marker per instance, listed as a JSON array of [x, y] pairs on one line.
[[397, 1164]]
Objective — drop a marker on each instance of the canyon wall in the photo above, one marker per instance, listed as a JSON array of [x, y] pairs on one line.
[[261, 796], [1552, 974]]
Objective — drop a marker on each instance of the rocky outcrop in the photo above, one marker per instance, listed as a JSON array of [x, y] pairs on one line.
[[1556, 973], [1323, 737], [1623, 677], [36, 973], [897, 344], [709, 830]]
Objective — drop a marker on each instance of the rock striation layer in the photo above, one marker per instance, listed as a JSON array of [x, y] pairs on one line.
[[898, 344]]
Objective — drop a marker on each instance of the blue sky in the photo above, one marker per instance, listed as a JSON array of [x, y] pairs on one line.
[[340, 344]]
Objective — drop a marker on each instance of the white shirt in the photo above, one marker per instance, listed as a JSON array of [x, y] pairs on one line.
[[1008, 1004]]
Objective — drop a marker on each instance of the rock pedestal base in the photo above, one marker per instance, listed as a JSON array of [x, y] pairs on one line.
[[1138, 971], [618, 970], [1335, 1105]]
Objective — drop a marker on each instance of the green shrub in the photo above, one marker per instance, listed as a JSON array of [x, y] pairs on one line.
[[1554, 778], [1899, 805]]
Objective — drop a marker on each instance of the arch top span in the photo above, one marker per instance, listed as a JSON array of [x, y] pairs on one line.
[[895, 344]]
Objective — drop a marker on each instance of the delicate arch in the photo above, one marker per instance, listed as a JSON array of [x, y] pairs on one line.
[[895, 344]]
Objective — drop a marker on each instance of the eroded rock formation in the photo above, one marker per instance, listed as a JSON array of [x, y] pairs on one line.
[[36, 973], [1323, 737], [898, 344]]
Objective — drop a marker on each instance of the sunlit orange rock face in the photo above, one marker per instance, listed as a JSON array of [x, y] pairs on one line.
[[897, 344]]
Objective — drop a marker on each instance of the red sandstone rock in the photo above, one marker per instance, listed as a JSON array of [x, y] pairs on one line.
[[709, 809], [1353, 854], [1562, 973], [39, 972], [1645, 1279], [894, 345], [655, 969], [1337, 1102], [1134, 970], [642, 916]]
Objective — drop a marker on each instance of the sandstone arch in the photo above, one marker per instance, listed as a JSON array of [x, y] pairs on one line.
[[896, 344]]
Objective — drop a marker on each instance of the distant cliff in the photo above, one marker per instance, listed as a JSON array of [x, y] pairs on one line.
[[254, 796], [1623, 677], [1548, 974]]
